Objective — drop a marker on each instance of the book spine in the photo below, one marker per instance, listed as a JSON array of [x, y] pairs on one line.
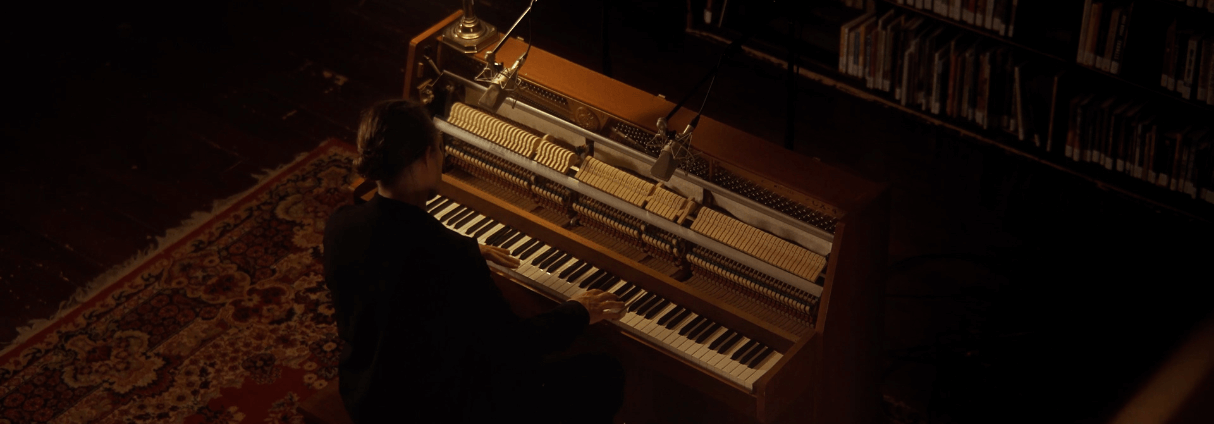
[[1105, 36], [1190, 67], [1169, 50], [843, 48], [1083, 32], [967, 12], [1011, 24], [1119, 44], [1089, 50], [1000, 16], [984, 88], [1207, 60]]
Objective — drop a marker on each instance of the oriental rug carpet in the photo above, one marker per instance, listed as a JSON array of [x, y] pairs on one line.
[[229, 324]]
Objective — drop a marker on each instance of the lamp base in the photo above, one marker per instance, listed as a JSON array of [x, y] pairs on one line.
[[469, 36]]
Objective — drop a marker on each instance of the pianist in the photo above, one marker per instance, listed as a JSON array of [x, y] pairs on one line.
[[428, 336]]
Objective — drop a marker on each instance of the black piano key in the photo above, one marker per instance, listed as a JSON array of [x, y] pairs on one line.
[[523, 247], [437, 206], [552, 260], [606, 283], [452, 212], [753, 352], [496, 237], [586, 266], [695, 332], [564, 275], [532, 250], [464, 221], [472, 228], [591, 284], [484, 229], [720, 341], [510, 239], [542, 259], [592, 278], [754, 363], [738, 354], [459, 216], [645, 304], [555, 263], [682, 316], [653, 311], [568, 259], [623, 289], [691, 325], [630, 293], [642, 301], [667, 316], [704, 335]]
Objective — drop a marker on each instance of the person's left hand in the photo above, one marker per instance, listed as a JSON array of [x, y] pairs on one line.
[[499, 256]]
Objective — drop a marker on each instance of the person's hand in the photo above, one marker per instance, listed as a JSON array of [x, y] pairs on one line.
[[499, 256], [601, 305]]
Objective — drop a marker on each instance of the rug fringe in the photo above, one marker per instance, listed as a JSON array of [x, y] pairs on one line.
[[172, 235]]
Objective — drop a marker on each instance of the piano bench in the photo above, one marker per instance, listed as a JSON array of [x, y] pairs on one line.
[[325, 407]]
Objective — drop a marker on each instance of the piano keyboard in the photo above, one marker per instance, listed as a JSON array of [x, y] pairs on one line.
[[697, 339]]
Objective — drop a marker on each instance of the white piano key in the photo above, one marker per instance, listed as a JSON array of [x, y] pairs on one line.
[[674, 333], [727, 363], [702, 352]]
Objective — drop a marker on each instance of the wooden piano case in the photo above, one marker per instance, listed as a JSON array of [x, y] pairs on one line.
[[827, 375]]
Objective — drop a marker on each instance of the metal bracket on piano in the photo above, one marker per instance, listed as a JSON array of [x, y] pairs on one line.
[[633, 210], [812, 238]]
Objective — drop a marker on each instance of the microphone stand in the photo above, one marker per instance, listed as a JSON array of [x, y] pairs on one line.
[[500, 79]]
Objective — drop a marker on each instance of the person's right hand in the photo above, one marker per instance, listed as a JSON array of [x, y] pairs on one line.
[[599, 303]]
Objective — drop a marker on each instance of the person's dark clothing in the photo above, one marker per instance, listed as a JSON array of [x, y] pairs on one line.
[[428, 336]]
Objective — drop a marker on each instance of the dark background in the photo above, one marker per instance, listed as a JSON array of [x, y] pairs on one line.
[[1017, 292]]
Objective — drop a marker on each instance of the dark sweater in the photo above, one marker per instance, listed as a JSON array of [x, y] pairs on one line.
[[426, 331]]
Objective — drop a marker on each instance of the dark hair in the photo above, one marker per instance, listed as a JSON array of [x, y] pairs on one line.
[[391, 136]]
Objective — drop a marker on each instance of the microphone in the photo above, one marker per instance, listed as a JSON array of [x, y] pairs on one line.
[[664, 167], [497, 91]]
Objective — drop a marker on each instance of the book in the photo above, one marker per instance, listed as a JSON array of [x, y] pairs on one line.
[[1089, 50], [1190, 66], [954, 10], [845, 46], [1080, 56], [1181, 58], [1075, 122], [988, 14], [1000, 17], [1102, 36], [1105, 59], [1011, 21], [1119, 42], [1167, 78], [983, 89], [876, 51], [1207, 60], [967, 11]]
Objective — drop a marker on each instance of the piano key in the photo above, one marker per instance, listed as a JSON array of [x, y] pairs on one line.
[[664, 320], [577, 274], [762, 368], [653, 311], [695, 331], [544, 258], [526, 255], [577, 264], [605, 284], [676, 339], [723, 361], [621, 289], [481, 234], [450, 213], [518, 250], [694, 323], [704, 334], [480, 223], [703, 349], [745, 348], [644, 305], [750, 356], [430, 207], [463, 219], [560, 263], [496, 237], [727, 342]]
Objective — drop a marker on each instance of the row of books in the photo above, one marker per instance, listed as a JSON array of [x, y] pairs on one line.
[[934, 67], [1136, 139], [1103, 29], [1188, 63], [996, 15], [1208, 5]]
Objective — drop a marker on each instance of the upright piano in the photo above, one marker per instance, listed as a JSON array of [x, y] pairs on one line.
[[752, 276]]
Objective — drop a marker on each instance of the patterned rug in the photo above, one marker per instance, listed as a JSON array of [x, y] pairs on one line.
[[230, 324]]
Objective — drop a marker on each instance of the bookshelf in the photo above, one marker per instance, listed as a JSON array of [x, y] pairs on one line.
[[820, 67]]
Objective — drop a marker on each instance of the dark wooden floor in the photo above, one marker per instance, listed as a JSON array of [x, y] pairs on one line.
[[1015, 289]]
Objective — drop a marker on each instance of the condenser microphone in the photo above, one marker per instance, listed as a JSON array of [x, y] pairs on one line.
[[496, 93], [664, 167]]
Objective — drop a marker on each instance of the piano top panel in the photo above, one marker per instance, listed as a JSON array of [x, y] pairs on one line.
[[721, 142]]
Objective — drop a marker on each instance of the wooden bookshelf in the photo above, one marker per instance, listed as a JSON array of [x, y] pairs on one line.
[[1070, 64], [827, 74]]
